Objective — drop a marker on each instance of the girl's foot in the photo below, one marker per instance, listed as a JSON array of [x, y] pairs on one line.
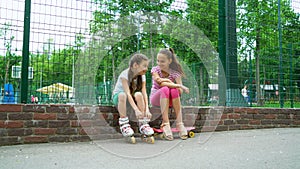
[[146, 129], [125, 127], [182, 131], [167, 132]]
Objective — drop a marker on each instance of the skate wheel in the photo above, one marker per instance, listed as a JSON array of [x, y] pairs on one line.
[[132, 140], [151, 140], [148, 139], [191, 134]]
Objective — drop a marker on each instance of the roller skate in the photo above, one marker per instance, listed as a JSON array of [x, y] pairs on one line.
[[126, 130], [146, 131]]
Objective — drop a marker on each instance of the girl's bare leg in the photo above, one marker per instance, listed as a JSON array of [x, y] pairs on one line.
[[177, 108], [125, 128], [122, 105], [164, 105], [140, 102], [144, 127], [179, 123]]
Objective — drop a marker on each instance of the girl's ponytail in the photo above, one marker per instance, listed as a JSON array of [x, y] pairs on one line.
[[175, 65]]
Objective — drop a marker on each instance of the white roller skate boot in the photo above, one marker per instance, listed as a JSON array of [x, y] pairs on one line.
[[146, 131], [126, 130]]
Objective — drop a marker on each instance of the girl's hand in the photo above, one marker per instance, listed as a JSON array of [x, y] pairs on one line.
[[139, 114], [158, 80], [185, 89], [148, 114]]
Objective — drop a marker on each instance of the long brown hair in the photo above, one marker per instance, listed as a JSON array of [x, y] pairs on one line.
[[136, 58], [175, 65]]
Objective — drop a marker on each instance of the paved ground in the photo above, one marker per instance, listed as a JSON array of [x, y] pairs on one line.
[[264, 148]]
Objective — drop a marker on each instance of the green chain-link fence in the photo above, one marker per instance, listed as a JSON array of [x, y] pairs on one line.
[[76, 49]]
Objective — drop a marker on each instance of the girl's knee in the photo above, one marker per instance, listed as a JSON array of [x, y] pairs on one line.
[[165, 92], [174, 92], [122, 97], [138, 95]]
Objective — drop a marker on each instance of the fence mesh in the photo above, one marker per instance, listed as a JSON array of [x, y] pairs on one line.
[[78, 48]]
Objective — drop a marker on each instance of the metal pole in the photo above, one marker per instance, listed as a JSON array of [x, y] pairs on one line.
[[25, 53], [280, 59], [222, 54], [250, 79], [291, 76]]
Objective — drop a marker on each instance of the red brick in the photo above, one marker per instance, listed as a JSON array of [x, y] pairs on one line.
[[67, 131], [44, 131], [59, 123], [64, 116], [242, 121], [19, 132], [270, 116], [222, 128], [229, 122], [10, 108], [246, 127], [80, 138], [251, 111], [254, 122], [213, 122], [20, 116], [102, 116], [224, 116], [34, 108], [82, 132], [58, 138], [86, 123], [44, 116], [240, 110], [35, 139], [72, 110], [190, 116], [56, 109], [75, 123], [3, 116], [11, 124], [9, 140], [258, 116], [234, 116], [296, 122]]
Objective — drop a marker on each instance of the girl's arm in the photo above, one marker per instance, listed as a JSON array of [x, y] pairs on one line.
[[145, 96], [130, 99], [168, 82], [182, 87], [160, 80]]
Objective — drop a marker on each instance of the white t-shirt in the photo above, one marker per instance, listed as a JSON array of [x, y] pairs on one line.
[[124, 75], [244, 92]]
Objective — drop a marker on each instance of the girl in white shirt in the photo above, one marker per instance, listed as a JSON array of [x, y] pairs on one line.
[[131, 88]]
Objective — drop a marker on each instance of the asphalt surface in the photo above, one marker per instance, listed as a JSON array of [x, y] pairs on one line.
[[263, 148]]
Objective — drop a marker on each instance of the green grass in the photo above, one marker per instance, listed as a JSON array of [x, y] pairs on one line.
[[276, 104]]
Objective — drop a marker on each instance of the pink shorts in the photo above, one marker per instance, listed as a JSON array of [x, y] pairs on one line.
[[164, 92]]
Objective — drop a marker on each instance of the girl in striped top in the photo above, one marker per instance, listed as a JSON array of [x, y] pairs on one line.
[[166, 89]]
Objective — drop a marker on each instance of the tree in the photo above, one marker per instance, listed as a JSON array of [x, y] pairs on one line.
[[257, 23], [10, 58]]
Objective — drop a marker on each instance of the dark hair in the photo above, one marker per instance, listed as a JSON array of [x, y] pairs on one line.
[[136, 58], [175, 65]]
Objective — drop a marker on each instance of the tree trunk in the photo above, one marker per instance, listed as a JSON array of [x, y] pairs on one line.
[[6, 71], [258, 91]]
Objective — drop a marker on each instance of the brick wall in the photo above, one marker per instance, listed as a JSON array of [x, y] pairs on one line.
[[22, 124]]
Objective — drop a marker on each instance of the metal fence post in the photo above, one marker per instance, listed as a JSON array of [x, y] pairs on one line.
[[222, 53], [281, 101], [25, 53], [291, 75]]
